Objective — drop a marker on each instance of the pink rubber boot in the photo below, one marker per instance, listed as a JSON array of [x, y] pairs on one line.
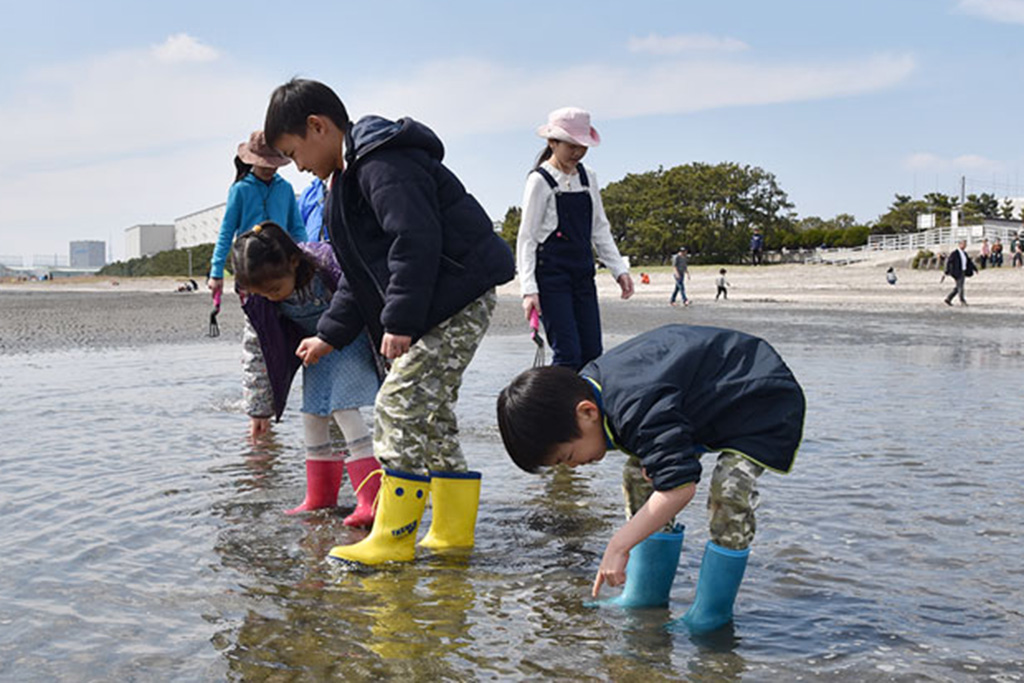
[[323, 478], [366, 485]]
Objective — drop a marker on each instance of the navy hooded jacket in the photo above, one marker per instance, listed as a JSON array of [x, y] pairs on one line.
[[678, 391], [414, 246]]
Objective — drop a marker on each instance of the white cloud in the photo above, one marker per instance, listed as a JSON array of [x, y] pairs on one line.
[[670, 45], [1003, 11], [182, 47], [466, 96], [926, 161]]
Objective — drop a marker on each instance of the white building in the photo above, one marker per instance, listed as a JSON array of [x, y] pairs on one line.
[[146, 240], [88, 254], [200, 227]]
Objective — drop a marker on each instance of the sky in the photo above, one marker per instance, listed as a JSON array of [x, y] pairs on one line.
[[114, 114]]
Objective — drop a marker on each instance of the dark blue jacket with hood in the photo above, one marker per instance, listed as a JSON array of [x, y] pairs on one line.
[[415, 248], [678, 391]]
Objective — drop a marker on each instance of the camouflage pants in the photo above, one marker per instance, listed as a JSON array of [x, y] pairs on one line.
[[732, 499], [414, 426]]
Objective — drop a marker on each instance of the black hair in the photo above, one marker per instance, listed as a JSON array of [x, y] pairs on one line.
[[266, 253], [241, 168], [294, 102], [722, 271], [537, 412], [544, 155]]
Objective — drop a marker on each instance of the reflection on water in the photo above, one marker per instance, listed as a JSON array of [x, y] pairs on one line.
[[144, 538]]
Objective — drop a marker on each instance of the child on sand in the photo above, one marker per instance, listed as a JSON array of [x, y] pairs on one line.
[[288, 287], [664, 398], [722, 285], [421, 261]]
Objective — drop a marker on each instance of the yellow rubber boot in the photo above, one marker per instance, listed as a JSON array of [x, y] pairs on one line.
[[392, 538], [455, 497]]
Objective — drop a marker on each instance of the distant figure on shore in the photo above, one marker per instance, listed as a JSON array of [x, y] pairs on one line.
[[1017, 249], [258, 194], [722, 285], [645, 279], [959, 266], [757, 247], [680, 271], [890, 276], [996, 259], [984, 254]]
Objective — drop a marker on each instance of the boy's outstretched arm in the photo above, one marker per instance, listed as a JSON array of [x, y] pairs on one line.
[[659, 509]]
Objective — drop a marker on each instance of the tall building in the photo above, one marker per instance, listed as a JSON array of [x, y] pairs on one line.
[[88, 254], [146, 240], [200, 227]]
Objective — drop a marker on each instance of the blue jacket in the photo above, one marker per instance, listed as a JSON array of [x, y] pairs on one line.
[[311, 206], [678, 391], [252, 201], [415, 248]]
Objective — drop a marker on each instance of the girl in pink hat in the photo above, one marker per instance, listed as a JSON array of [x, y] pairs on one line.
[[563, 224]]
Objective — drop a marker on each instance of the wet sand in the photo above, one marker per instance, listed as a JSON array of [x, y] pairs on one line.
[[97, 313]]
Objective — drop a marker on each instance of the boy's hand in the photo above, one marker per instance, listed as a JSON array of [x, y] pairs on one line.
[[394, 345], [312, 349], [626, 285], [612, 570], [258, 426]]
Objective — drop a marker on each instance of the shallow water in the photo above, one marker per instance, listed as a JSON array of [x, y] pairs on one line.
[[143, 538]]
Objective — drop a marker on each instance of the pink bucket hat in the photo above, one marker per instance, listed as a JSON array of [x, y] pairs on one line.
[[570, 124], [257, 152]]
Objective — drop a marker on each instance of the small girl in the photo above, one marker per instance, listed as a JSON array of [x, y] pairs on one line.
[[288, 287], [722, 285]]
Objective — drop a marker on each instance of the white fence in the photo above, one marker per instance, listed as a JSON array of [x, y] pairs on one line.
[[939, 237]]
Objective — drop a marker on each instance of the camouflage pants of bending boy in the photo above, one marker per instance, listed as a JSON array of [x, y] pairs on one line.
[[732, 500], [414, 426]]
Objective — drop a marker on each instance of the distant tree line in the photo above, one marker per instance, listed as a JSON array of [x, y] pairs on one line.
[[712, 209], [171, 263]]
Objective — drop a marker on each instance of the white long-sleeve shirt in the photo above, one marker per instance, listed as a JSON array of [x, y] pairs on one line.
[[540, 218]]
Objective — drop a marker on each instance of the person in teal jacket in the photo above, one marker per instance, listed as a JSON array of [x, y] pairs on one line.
[[257, 195]]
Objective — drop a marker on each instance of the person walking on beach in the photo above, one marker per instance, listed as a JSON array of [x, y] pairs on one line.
[[664, 398], [288, 287], [420, 262], [680, 272], [959, 266], [258, 194], [757, 248], [722, 285], [563, 223]]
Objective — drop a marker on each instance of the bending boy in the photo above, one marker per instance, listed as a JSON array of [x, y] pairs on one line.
[[664, 398], [420, 259]]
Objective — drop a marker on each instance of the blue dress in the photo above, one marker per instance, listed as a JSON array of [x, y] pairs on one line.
[[343, 379]]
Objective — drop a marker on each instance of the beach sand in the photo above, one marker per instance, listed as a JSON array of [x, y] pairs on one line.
[[101, 312]]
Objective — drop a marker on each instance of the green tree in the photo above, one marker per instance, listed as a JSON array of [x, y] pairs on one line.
[[510, 226], [1006, 210], [710, 209]]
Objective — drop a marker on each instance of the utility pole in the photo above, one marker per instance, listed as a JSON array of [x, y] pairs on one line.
[[963, 187]]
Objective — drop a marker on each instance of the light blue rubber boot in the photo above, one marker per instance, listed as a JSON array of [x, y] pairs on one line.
[[721, 572], [650, 571]]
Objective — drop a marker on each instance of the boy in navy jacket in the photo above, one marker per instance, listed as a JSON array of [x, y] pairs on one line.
[[664, 398], [421, 260]]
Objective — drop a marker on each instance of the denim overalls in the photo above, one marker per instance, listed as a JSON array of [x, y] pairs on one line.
[[565, 278]]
